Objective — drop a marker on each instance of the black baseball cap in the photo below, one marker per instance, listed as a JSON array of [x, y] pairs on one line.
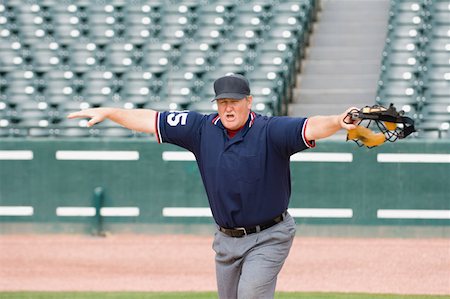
[[233, 86]]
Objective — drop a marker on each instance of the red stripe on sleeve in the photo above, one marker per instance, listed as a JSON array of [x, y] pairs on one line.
[[158, 139], [308, 143]]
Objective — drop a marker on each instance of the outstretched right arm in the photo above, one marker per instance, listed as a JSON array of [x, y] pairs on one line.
[[142, 120]]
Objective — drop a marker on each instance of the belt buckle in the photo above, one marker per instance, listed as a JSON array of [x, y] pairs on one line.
[[242, 229]]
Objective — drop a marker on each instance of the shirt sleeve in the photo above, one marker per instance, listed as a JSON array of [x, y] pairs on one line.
[[288, 134], [182, 128]]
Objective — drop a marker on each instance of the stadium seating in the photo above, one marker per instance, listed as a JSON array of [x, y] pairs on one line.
[[60, 56], [415, 71]]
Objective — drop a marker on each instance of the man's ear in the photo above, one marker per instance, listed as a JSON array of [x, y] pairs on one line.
[[250, 101]]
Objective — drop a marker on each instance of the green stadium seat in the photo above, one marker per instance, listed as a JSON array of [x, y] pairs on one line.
[[116, 132], [267, 95], [304, 11], [439, 44], [45, 59], [178, 92], [441, 18], [33, 119], [290, 35], [440, 32], [437, 92], [18, 132], [400, 93], [140, 33], [433, 128], [139, 86], [5, 132], [162, 105], [247, 32], [250, 22], [156, 61], [43, 132], [213, 19], [184, 8], [120, 56], [260, 9], [224, 8], [436, 111], [405, 45], [195, 61], [205, 106], [59, 87], [68, 107], [408, 73], [274, 79], [10, 59], [5, 119], [75, 132], [232, 58], [98, 91], [211, 32]]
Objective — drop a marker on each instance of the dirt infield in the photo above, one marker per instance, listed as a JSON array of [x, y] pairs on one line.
[[186, 262]]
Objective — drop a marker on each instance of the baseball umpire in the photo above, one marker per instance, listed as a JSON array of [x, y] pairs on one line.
[[243, 160]]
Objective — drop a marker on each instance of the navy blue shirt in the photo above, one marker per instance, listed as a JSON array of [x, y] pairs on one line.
[[247, 177]]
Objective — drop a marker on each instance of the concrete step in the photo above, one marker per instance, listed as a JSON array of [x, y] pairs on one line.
[[359, 17], [342, 64], [355, 5], [317, 109], [343, 53], [324, 82], [346, 67], [358, 29], [348, 40], [353, 16], [359, 99], [351, 27]]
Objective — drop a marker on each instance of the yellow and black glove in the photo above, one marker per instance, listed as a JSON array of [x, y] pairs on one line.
[[392, 125]]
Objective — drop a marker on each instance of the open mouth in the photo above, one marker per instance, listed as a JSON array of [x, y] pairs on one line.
[[229, 117]]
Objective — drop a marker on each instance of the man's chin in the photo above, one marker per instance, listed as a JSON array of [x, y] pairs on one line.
[[230, 125]]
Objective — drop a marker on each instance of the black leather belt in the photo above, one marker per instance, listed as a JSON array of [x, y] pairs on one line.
[[239, 232]]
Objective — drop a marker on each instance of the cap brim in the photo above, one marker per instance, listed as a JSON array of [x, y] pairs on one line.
[[235, 96]]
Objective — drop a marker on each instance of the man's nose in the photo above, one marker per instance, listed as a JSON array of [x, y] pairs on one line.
[[228, 107]]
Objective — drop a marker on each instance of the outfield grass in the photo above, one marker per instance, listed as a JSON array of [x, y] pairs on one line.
[[195, 295]]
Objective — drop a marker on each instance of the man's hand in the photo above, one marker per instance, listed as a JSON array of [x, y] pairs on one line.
[[96, 115], [346, 121]]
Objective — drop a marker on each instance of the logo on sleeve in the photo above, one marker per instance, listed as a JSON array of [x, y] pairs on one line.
[[175, 119]]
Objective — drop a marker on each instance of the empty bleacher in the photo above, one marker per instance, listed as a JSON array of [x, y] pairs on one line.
[[415, 71], [61, 56]]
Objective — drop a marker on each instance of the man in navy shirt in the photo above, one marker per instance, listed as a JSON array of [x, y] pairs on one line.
[[243, 160]]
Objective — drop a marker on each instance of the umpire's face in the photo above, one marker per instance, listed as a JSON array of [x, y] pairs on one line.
[[234, 113]]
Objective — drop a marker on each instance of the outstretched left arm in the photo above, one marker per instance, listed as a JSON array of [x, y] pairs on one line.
[[319, 126]]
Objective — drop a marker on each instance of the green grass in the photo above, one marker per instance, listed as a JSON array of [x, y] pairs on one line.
[[196, 295]]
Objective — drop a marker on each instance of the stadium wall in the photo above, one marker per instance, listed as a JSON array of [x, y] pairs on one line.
[[52, 184]]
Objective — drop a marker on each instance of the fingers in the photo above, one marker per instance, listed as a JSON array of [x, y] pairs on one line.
[[349, 126], [87, 113], [348, 121], [95, 116], [93, 121], [76, 115]]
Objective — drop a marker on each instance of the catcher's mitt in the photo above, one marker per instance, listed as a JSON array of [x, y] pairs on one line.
[[391, 123]]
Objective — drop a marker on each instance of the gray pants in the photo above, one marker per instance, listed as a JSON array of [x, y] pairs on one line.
[[248, 267]]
